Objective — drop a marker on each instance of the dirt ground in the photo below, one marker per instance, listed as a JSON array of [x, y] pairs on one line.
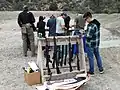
[[12, 59]]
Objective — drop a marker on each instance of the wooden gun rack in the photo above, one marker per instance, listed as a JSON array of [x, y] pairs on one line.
[[61, 40]]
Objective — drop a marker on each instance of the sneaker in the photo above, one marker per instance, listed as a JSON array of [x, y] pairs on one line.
[[101, 71], [90, 73]]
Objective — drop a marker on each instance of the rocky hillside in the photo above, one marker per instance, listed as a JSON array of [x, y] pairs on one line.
[[97, 6]]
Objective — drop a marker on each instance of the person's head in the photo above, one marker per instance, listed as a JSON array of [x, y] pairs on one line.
[[41, 18], [52, 16], [88, 17], [63, 15], [25, 8]]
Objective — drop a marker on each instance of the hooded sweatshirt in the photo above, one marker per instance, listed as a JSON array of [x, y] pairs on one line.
[[93, 34]]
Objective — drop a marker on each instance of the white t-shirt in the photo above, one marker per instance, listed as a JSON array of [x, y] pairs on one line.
[[59, 23]]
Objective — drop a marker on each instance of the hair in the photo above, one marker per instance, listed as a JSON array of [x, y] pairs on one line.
[[87, 14], [41, 18], [52, 16], [63, 14]]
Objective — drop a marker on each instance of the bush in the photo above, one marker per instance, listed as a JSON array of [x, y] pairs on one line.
[[53, 7]]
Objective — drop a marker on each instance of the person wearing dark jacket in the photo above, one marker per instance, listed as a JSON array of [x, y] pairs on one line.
[[52, 25], [25, 21], [67, 22], [92, 42], [41, 26]]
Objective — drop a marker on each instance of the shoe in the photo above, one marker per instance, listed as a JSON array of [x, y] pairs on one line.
[[101, 71], [90, 73]]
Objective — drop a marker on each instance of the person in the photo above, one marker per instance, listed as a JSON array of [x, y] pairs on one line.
[[60, 25], [52, 25], [67, 23], [92, 42], [79, 24], [60, 31], [41, 26], [25, 21]]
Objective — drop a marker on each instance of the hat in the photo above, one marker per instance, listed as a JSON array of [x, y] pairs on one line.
[[25, 7]]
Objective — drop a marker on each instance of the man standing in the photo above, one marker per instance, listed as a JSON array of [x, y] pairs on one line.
[[52, 25], [60, 25], [92, 42], [25, 21]]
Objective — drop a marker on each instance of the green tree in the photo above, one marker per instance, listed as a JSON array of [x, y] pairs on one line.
[[53, 6]]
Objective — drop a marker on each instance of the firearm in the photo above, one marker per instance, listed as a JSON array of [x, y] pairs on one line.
[[65, 54], [77, 54], [70, 56], [55, 57], [62, 56], [47, 56]]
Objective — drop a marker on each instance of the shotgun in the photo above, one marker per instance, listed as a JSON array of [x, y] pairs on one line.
[[47, 56], [70, 56], [77, 54], [55, 57], [65, 54]]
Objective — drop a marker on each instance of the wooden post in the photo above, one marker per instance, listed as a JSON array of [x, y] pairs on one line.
[[83, 56], [40, 60]]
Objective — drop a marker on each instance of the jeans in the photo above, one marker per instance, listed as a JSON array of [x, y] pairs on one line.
[[91, 52]]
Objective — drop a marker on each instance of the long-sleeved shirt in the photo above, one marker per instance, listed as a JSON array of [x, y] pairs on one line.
[[93, 34], [25, 17]]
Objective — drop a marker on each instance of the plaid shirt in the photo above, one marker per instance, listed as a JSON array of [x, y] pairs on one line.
[[93, 36]]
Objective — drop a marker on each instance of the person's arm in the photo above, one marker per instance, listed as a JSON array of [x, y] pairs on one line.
[[44, 25], [48, 25], [90, 31], [37, 26], [32, 18], [63, 24], [19, 21]]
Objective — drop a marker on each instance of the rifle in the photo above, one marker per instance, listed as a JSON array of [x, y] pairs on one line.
[[77, 54], [70, 56], [62, 56], [65, 54], [55, 57], [47, 56]]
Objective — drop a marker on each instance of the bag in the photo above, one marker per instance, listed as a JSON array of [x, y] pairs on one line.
[[23, 30]]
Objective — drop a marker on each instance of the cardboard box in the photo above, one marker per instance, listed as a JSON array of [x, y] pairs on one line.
[[32, 78]]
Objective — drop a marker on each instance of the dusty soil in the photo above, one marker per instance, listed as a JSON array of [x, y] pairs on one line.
[[12, 60]]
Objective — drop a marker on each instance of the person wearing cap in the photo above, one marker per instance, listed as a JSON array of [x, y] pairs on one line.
[[25, 21]]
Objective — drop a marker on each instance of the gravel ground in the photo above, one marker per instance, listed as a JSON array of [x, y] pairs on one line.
[[12, 60]]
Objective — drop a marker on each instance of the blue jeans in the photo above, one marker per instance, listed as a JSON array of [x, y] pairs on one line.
[[91, 52]]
